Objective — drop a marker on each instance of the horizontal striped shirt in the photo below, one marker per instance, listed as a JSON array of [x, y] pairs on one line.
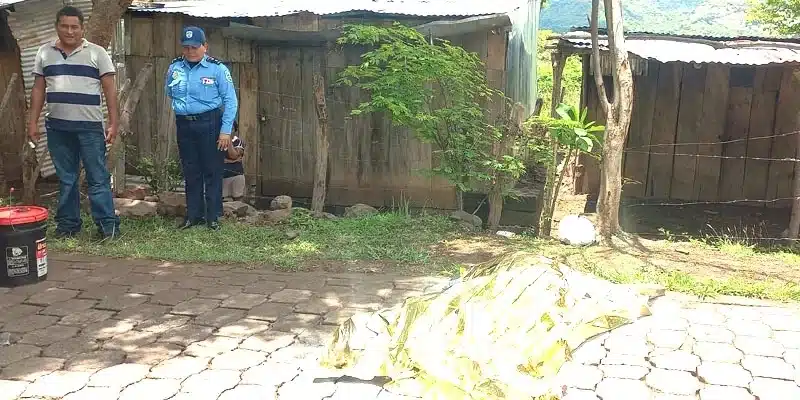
[[74, 90]]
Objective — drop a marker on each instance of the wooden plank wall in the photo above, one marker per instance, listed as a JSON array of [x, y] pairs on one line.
[[728, 114], [12, 127]]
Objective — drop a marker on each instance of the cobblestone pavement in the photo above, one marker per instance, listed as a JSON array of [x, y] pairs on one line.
[[102, 329]]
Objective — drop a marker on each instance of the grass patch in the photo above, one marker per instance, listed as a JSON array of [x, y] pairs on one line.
[[389, 237]]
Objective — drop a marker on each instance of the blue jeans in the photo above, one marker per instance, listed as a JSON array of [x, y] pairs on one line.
[[202, 165], [68, 149]]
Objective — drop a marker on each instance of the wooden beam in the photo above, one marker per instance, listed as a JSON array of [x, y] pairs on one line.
[[272, 35], [321, 148], [464, 26]]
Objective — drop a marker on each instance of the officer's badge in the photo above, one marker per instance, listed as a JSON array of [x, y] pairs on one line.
[[207, 81], [176, 74], [228, 76], [188, 34]]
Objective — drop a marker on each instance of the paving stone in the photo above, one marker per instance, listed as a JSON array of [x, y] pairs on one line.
[[317, 306], [749, 328], [724, 374], [624, 371], [107, 329], [70, 347], [195, 307], [713, 392], [789, 340], [195, 396], [628, 345], [211, 381], [49, 335], [31, 369], [304, 387], [250, 392], [319, 335], [51, 296], [792, 357], [164, 323], [132, 279], [155, 353], [339, 316], [244, 301], [17, 352], [29, 323], [296, 323], [10, 390], [667, 339], [57, 384], [665, 396], [579, 394], [86, 317], [708, 333], [142, 313], [627, 389], [759, 346], [119, 376], [153, 287], [173, 297], [270, 311], [238, 360], [219, 317], [589, 353], [782, 323], [179, 367], [579, 376], [719, 352], [121, 302], [94, 393], [229, 279], [95, 360], [68, 307], [677, 360], [186, 335], [297, 354], [668, 322], [265, 287], [104, 292], [212, 347], [292, 296], [624, 359], [11, 313], [243, 328], [705, 317], [270, 374], [768, 367], [268, 342], [219, 292], [356, 390], [774, 389], [130, 341], [151, 389], [672, 382]]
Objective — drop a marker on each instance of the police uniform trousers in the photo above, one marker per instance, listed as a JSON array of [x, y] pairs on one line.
[[202, 163]]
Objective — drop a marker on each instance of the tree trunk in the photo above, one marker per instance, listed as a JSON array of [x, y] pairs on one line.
[[103, 21], [3, 105], [512, 129], [550, 192], [321, 148], [618, 115]]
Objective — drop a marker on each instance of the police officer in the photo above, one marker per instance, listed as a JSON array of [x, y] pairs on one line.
[[200, 87]]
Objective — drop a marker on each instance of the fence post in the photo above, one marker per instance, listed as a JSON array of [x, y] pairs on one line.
[[3, 106], [794, 223], [321, 148]]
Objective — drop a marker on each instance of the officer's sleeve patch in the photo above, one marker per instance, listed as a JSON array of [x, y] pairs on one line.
[[177, 59], [213, 60], [228, 76]]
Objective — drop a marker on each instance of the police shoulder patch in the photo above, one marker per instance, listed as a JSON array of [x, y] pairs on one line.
[[177, 59], [213, 60]]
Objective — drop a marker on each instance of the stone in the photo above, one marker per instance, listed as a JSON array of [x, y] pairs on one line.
[[677, 360], [243, 328], [12, 312], [719, 352], [471, 219], [17, 352], [179, 367], [237, 209], [724, 374], [589, 353], [94, 393], [186, 335], [627, 389], [29, 323], [130, 341], [316, 306], [768, 367], [250, 392], [290, 296], [87, 317], [154, 199], [69, 347], [49, 335], [792, 357], [672, 382], [135, 193], [627, 345], [10, 390], [31, 369], [704, 316], [296, 323], [714, 392], [624, 371], [219, 292], [268, 342], [576, 230], [759, 346], [238, 360], [579, 394], [281, 203], [359, 211], [624, 359], [782, 322], [709, 333], [51, 296], [212, 347], [276, 216], [142, 313], [58, 384], [774, 389], [151, 389], [195, 307], [219, 317], [789, 340], [173, 297], [164, 323], [135, 208], [154, 353], [68, 307], [244, 301], [95, 360], [270, 374], [579, 376], [121, 302], [324, 215], [119, 376], [106, 329], [264, 287], [211, 381], [172, 204], [153, 287], [667, 339], [749, 328], [304, 387], [104, 291]]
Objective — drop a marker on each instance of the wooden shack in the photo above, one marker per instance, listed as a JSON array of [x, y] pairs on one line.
[[273, 60], [714, 119]]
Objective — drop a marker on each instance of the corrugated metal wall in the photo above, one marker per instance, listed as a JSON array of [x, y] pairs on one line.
[[32, 25]]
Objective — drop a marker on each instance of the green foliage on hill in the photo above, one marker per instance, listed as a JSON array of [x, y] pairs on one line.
[[693, 17]]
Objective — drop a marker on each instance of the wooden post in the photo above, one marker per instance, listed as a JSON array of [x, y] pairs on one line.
[[321, 148], [547, 204], [794, 223], [3, 106]]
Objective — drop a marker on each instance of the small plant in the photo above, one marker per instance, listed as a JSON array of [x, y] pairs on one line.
[[10, 200], [160, 178]]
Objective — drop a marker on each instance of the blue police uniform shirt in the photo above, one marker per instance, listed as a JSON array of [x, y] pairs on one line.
[[202, 88]]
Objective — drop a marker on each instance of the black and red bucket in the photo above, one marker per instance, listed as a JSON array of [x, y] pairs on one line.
[[23, 245]]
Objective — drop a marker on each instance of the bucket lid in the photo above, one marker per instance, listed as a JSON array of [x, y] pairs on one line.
[[20, 215]]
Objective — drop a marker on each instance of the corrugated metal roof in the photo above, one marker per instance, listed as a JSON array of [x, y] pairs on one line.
[[32, 26], [6, 3], [263, 8], [665, 48]]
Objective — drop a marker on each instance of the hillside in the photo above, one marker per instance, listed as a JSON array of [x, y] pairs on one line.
[[696, 17]]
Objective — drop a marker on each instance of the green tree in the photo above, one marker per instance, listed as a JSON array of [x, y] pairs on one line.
[[781, 17]]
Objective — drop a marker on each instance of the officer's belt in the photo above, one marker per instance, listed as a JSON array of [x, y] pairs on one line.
[[199, 117]]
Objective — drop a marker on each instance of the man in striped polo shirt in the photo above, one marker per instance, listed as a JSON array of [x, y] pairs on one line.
[[71, 74]]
